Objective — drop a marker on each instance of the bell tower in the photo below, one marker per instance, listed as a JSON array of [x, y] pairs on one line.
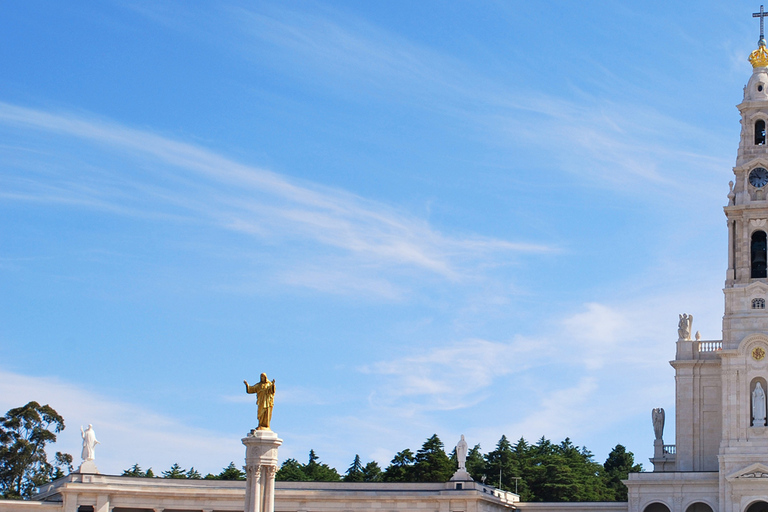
[[747, 211], [743, 365]]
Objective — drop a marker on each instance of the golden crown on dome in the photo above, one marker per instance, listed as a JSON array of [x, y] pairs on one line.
[[759, 57]]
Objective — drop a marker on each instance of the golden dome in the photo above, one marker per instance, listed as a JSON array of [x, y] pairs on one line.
[[759, 57]]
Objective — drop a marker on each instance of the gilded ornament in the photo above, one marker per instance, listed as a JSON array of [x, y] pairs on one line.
[[759, 57], [758, 354]]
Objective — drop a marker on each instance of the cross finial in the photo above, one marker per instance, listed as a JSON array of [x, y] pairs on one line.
[[762, 14]]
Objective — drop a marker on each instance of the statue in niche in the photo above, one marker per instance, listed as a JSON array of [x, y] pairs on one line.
[[684, 327], [657, 415], [89, 443], [461, 453], [758, 406], [265, 399]]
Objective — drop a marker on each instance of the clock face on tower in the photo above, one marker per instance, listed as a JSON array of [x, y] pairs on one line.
[[758, 177]]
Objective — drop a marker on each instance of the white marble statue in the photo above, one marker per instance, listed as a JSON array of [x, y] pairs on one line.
[[89, 443], [461, 453], [684, 327], [657, 415], [758, 406]]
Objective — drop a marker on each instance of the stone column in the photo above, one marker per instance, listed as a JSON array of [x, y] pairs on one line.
[[260, 467]]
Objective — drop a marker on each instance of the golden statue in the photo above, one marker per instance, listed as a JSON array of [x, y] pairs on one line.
[[265, 398]]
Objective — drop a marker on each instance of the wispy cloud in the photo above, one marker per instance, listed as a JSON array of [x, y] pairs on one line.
[[449, 377], [174, 180], [606, 139]]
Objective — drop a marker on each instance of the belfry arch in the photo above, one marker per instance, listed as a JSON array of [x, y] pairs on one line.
[[758, 255], [758, 506]]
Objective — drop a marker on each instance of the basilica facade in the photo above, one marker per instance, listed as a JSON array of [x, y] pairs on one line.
[[719, 461]]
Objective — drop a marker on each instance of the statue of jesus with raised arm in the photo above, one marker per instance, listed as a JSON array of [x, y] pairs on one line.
[[265, 398]]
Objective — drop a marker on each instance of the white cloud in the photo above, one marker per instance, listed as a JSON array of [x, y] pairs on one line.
[[185, 182], [128, 433], [447, 377]]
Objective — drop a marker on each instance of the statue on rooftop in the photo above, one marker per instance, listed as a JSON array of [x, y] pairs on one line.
[[657, 415], [89, 443], [461, 453], [684, 327], [265, 399]]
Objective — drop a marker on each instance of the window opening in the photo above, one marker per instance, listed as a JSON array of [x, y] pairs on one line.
[[759, 132], [758, 303], [758, 255]]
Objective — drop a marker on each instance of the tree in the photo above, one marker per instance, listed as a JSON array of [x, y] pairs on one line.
[[355, 471], [24, 433], [619, 464], [501, 465], [231, 472], [319, 472], [313, 471], [193, 474], [134, 471], [63, 461], [400, 469], [175, 472], [475, 463], [372, 472], [431, 462], [291, 471]]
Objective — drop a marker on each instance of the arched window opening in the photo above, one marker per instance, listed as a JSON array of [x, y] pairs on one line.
[[758, 254], [759, 132], [699, 507], [656, 507], [759, 506], [758, 303]]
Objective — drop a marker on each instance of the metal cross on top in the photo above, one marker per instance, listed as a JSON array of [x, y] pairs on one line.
[[762, 14]]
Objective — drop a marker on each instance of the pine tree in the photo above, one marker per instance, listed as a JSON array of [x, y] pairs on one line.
[[475, 463], [134, 471], [617, 467], [231, 472], [400, 469], [431, 462], [319, 472], [372, 472], [291, 471], [175, 472], [355, 471]]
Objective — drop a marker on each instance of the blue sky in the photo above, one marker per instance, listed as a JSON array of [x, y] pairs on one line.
[[418, 217]]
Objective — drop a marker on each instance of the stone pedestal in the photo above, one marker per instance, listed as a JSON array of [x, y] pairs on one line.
[[88, 466], [662, 460], [461, 476], [260, 468]]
